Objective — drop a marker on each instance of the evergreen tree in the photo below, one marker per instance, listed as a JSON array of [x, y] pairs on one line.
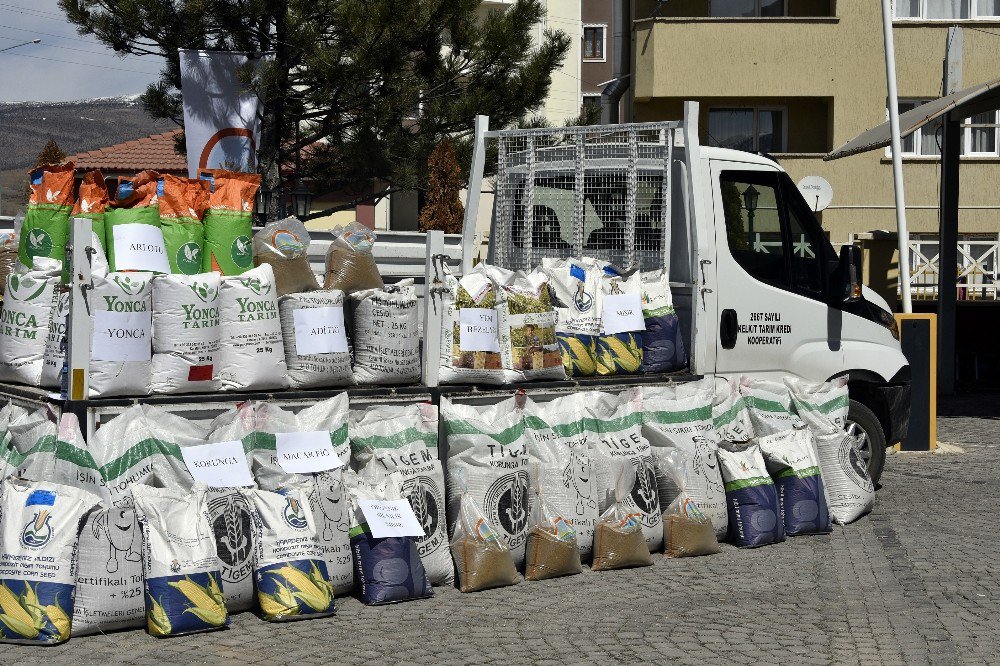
[[372, 86], [442, 208], [51, 154]]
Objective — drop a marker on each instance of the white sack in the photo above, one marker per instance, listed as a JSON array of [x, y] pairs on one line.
[[185, 333], [386, 335], [313, 370], [251, 353]]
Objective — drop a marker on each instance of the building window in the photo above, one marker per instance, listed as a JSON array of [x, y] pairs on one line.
[[753, 129], [947, 9], [980, 135], [748, 8], [593, 42], [591, 102]]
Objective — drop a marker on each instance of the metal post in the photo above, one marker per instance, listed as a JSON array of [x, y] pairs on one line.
[[474, 192], [79, 326], [948, 252], [903, 236], [433, 306]]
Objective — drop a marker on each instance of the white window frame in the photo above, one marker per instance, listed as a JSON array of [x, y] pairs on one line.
[[584, 96], [756, 123], [756, 9], [604, 42], [967, 127], [973, 14]]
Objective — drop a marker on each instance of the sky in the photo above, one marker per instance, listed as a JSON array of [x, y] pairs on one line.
[[86, 69]]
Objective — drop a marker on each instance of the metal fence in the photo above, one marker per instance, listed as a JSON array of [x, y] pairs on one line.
[[602, 191]]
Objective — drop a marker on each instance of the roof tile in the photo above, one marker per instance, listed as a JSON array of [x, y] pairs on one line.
[[154, 152]]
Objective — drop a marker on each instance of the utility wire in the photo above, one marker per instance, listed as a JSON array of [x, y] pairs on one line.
[[85, 64]]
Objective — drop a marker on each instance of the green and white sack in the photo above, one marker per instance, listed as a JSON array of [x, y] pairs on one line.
[[730, 415], [770, 406], [561, 462], [186, 333], [122, 310], [617, 421], [679, 418], [849, 490], [251, 353], [488, 459], [386, 335], [306, 321], [823, 406], [28, 304], [38, 538], [476, 294]]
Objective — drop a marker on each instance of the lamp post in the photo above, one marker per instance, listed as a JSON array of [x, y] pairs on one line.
[[8, 48], [750, 197], [263, 203], [301, 200]]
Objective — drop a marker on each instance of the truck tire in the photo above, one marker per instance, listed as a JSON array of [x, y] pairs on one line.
[[863, 424]]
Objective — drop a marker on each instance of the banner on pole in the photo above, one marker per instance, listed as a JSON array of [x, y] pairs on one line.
[[221, 125]]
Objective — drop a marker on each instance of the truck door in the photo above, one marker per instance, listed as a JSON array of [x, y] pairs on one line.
[[773, 262]]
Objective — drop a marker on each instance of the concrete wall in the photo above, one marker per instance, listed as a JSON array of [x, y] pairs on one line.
[[564, 94]]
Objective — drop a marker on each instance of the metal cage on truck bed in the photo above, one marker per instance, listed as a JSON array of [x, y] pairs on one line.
[[601, 191]]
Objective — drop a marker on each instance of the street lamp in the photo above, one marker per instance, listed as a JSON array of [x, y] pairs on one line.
[[301, 200], [8, 48], [263, 202], [750, 197]]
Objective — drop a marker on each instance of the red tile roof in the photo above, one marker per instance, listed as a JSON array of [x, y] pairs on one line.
[[154, 152]]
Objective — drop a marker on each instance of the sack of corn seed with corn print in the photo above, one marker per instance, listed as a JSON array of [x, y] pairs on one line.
[[180, 561], [619, 347], [470, 344], [38, 538], [527, 324], [290, 575], [575, 285]]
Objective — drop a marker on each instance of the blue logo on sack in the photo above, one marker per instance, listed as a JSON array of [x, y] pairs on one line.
[[577, 272], [38, 531], [294, 515], [41, 498]]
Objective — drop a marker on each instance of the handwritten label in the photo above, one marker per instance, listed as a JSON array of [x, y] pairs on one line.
[[139, 247], [320, 330], [122, 336], [622, 313], [306, 452], [220, 464], [390, 518], [478, 330]]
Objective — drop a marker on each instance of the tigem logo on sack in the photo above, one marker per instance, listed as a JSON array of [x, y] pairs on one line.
[[581, 299], [188, 258], [232, 527], [38, 531], [294, 515], [419, 491], [240, 251], [644, 490], [507, 500]]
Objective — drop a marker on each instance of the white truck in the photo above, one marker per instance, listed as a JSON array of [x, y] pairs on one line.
[[758, 287]]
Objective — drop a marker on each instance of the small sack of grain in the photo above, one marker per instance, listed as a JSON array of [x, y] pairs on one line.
[[551, 549], [350, 265], [481, 558], [687, 531], [285, 245], [618, 540]]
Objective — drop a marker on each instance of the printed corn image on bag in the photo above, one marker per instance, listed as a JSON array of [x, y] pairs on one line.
[[575, 286], [46, 223], [619, 353], [180, 561]]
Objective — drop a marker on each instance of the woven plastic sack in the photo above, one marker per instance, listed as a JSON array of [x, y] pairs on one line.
[[28, 305], [289, 573], [8, 258], [551, 549], [562, 463], [730, 415], [386, 335], [40, 529], [488, 459], [687, 532], [186, 334], [284, 244], [476, 294], [662, 342], [180, 563], [850, 492], [481, 558], [619, 353], [679, 418], [770, 406], [229, 221], [313, 370], [182, 209], [46, 223], [128, 298], [526, 323], [823, 406], [251, 353], [619, 542], [92, 201], [754, 512], [350, 265], [792, 461], [575, 285]]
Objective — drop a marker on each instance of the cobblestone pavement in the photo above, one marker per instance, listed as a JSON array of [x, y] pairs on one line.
[[918, 581]]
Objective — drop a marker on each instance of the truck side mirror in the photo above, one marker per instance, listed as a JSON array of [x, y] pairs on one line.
[[849, 270]]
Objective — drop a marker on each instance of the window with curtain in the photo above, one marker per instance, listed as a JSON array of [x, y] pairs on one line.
[[593, 42], [750, 129], [980, 135], [947, 9], [747, 8]]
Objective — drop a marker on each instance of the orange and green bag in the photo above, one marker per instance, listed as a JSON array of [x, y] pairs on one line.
[[137, 203], [229, 221], [182, 208], [92, 201], [46, 223]]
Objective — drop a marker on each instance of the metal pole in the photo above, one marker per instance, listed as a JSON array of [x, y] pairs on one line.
[[474, 193], [433, 306], [948, 252], [903, 236], [79, 327]]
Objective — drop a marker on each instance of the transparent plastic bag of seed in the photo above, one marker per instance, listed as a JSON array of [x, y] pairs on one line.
[[687, 532], [350, 265], [285, 245], [552, 550], [481, 558], [618, 539]]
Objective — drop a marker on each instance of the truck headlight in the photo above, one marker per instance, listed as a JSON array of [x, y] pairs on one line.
[[887, 320]]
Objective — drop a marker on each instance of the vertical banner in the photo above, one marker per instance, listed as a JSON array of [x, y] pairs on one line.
[[221, 126]]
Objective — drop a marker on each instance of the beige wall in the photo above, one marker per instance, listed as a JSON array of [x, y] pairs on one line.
[[830, 73]]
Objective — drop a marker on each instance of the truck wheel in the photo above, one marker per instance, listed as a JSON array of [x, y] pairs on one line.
[[863, 424]]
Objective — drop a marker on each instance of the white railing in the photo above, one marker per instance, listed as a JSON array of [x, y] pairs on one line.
[[977, 271]]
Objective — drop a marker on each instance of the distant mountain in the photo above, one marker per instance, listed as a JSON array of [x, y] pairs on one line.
[[87, 124]]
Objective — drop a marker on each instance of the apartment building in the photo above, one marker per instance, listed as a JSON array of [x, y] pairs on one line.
[[797, 78]]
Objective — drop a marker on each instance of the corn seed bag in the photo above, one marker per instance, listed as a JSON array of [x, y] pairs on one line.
[[229, 221], [186, 334], [137, 203], [823, 406], [562, 465], [527, 327], [754, 512], [575, 285], [289, 573], [617, 423], [251, 353], [770, 406], [792, 460], [619, 353], [850, 492], [730, 415], [679, 418], [476, 295], [386, 335], [29, 302], [314, 369], [38, 539], [488, 459], [181, 209], [92, 202], [180, 563], [46, 223], [662, 342]]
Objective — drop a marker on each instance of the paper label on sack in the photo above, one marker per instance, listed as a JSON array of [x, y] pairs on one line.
[[622, 313], [140, 247], [306, 452], [219, 464], [390, 518], [320, 330], [478, 330], [122, 336]]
